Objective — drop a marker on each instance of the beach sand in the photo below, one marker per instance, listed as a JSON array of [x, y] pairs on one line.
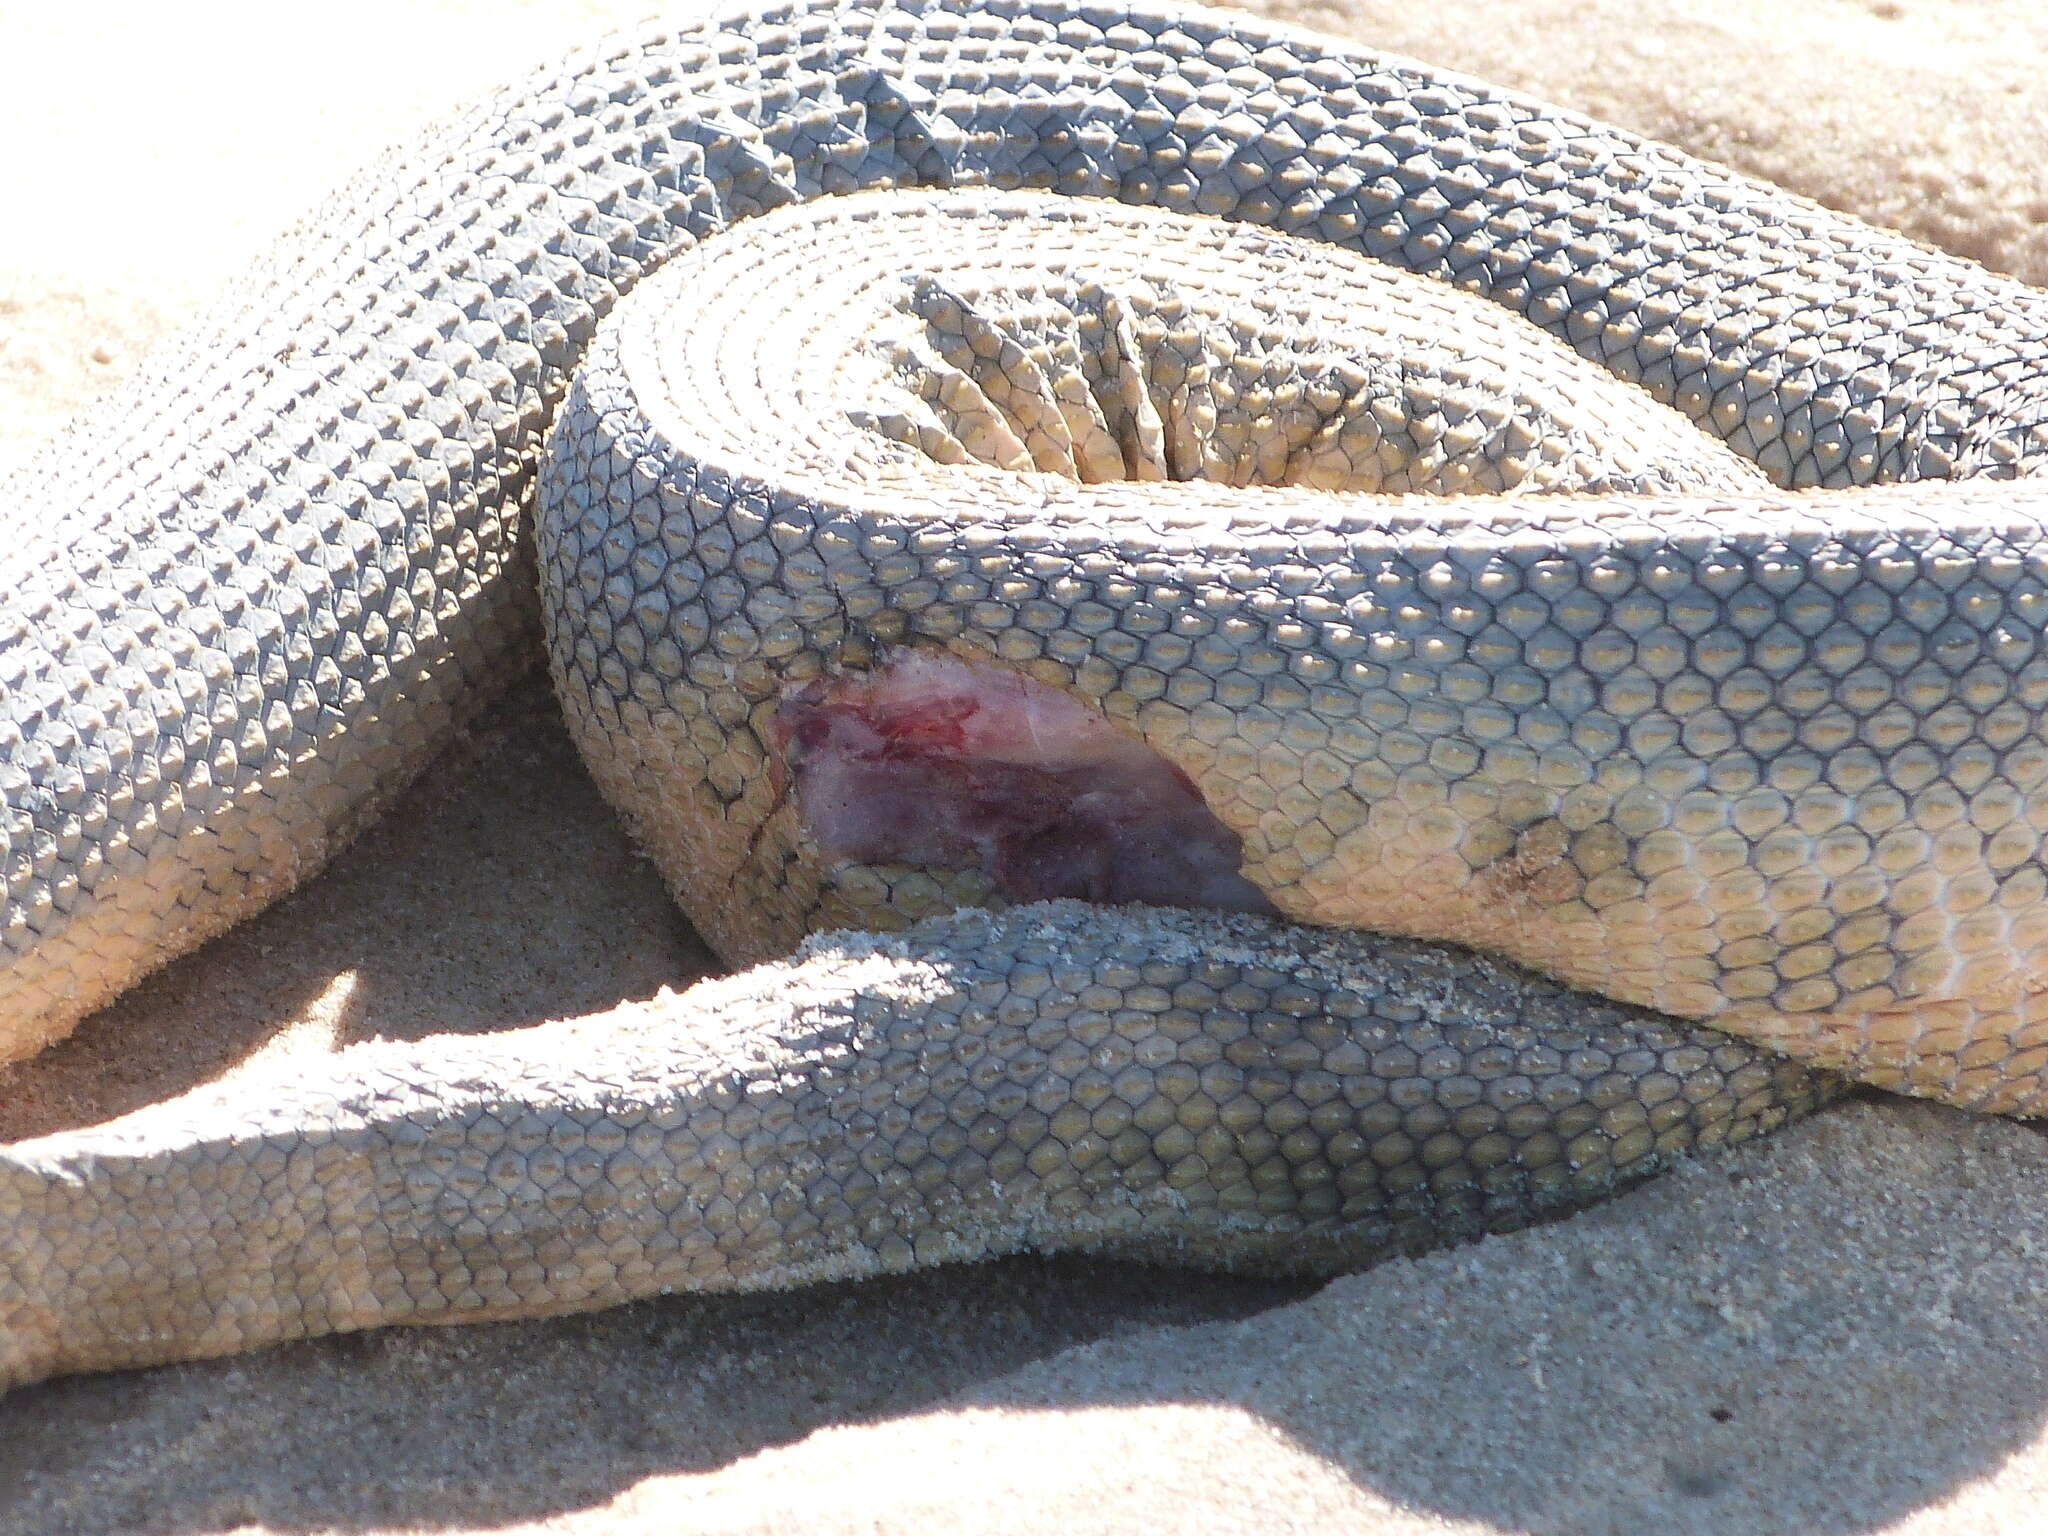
[[1832, 1332]]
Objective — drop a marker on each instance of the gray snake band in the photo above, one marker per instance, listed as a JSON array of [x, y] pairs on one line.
[[1684, 660]]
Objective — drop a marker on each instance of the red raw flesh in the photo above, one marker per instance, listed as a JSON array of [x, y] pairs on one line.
[[937, 761]]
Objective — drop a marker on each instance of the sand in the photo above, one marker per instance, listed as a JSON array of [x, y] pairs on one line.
[[1832, 1332]]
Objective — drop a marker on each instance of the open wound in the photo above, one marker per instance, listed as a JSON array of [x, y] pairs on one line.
[[932, 760]]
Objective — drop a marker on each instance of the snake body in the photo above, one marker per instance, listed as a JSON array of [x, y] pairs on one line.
[[1765, 754]]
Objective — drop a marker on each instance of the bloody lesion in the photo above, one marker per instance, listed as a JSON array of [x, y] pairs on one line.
[[933, 760]]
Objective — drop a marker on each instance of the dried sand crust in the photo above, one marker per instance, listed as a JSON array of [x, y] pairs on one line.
[[1832, 1332]]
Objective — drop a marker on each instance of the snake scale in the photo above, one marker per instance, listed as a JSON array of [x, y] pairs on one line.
[[1750, 741]]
